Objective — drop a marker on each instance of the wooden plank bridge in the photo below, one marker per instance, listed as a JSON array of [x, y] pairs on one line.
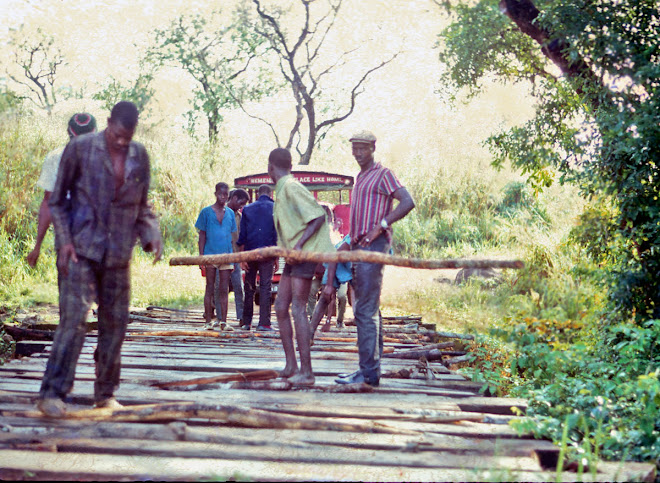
[[203, 405]]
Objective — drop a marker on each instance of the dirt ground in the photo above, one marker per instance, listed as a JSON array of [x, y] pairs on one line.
[[396, 281], [399, 280]]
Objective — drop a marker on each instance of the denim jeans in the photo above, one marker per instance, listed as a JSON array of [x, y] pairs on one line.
[[367, 284]]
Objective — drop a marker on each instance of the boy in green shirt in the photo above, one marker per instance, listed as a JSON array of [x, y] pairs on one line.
[[300, 225]]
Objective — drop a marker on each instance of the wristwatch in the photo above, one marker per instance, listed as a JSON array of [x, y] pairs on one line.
[[383, 224]]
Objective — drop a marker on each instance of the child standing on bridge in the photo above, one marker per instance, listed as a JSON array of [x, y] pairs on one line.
[[300, 225], [216, 223]]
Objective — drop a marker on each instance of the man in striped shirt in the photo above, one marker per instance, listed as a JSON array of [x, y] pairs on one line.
[[371, 215]]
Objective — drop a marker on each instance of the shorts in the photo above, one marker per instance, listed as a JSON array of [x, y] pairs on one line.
[[300, 270], [224, 266]]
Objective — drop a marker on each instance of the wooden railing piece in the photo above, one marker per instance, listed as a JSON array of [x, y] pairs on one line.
[[341, 257]]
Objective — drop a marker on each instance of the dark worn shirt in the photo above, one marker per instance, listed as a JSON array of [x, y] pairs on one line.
[[103, 225], [257, 226]]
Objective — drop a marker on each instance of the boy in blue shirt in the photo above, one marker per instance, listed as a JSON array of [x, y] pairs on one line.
[[216, 223]]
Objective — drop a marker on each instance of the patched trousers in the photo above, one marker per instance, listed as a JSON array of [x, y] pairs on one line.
[[88, 281], [367, 283]]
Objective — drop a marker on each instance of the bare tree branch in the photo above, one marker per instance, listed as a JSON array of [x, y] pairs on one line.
[[335, 10], [296, 65], [274, 25], [354, 94], [524, 14]]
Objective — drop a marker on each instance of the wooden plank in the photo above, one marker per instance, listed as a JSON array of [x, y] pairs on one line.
[[276, 451], [222, 413], [178, 431], [44, 465]]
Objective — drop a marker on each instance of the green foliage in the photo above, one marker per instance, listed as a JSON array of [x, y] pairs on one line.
[[482, 42], [605, 390], [10, 101], [595, 126], [223, 57], [138, 92], [462, 215], [7, 346]]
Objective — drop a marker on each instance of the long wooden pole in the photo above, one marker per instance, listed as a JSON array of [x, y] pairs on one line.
[[341, 257]]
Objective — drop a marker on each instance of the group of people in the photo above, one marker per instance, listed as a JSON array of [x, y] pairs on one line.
[[300, 223], [229, 226], [96, 192]]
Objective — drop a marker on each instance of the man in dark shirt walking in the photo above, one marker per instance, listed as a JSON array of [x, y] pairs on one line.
[[99, 207], [258, 231]]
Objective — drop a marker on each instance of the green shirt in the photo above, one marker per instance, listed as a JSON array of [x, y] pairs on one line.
[[294, 208]]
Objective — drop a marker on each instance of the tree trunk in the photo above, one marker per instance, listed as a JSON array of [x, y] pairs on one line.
[[311, 138]]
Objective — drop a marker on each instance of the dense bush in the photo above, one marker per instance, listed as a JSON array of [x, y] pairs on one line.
[[605, 388], [463, 214]]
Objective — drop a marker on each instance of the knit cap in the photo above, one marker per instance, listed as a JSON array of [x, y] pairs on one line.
[[81, 123]]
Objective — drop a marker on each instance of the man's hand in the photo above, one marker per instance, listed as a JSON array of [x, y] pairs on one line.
[[156, 247], [67, 252], [370, 236], [328, 292], [244, 266], [33, 256]]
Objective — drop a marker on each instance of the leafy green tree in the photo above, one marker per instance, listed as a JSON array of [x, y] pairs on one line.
[[303, 69], [9, 100], [594, 69], [219, 59], [139, 91], [37, 58]]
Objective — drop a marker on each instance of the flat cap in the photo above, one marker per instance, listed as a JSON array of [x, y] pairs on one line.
[[363, 137]]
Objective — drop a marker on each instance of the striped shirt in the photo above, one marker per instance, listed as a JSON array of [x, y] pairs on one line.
[[371, 199]]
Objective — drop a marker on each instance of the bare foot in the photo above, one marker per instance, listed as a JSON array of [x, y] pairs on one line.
[[289, 371], [301, 380]]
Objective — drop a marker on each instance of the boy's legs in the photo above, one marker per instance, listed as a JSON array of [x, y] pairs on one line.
[[300, 287], [319, 311], [314, 287], [223, 294], [209, 306], [342, 298], [293, 291]]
